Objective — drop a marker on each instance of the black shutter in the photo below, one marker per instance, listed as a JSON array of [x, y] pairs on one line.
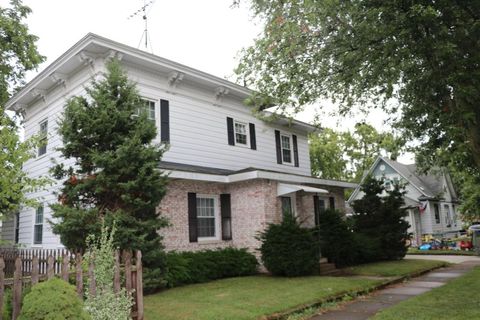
[[332, 202], [253, 138], [164, 121], [279, 147], [295, 150], [231, 133], [226, 213], [192, 217], [316, 210]]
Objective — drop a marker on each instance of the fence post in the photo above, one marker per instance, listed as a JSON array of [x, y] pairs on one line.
[[34, 270], [116, 276], [79, 274], [65, 265], [128, 271], [139, 285], [2, 284], [50, 267], [17, 288]]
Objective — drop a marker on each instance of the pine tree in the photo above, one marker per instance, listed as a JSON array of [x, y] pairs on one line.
[[115, 176]]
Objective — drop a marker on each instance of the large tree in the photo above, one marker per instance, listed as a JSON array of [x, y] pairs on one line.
[[347, 155], [18, 54], [116, 176], [425, 54]]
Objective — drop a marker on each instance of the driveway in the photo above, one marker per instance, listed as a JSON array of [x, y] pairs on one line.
[[451, 259]]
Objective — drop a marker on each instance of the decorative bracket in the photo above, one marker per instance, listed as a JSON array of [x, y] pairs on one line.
[[220, 92], [112, 54], [59, 79], [39, 93], [86, 59], [175, 78]]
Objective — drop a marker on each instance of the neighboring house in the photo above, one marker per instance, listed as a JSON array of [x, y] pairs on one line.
[[431, 199], [230, 174]]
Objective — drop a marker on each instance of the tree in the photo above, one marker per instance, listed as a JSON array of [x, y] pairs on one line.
[[116, 176], [380, 220], [18, 49], [423, 55], [18, 54], [347, 155]]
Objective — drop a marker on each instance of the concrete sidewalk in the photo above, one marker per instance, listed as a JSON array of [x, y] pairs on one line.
[[364, 308]]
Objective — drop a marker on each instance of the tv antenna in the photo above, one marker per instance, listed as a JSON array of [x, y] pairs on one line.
[[143, 12]]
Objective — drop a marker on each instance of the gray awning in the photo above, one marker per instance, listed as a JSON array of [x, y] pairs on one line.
[[284, 188]]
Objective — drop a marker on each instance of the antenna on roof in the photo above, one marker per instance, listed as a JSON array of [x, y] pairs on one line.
[[143, 12]]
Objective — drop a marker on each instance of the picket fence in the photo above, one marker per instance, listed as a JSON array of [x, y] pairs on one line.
[[21, 267]]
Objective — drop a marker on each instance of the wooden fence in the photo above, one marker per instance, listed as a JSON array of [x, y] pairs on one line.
[[19, 268]]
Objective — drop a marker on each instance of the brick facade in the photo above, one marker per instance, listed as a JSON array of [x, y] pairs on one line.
[[254, 204]]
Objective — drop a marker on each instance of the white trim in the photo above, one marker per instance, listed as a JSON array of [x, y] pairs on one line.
[[293, 203], [247, 134], [290, 142], [284, 188], [216, 216], [257, 174], [35, 224]]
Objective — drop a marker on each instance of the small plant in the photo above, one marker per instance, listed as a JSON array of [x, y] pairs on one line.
[[54, 299], [288, 249], [106, 304]]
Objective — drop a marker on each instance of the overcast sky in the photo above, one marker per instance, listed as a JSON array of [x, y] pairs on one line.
[[206, 35]]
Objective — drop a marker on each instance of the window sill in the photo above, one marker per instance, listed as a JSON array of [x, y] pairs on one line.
[[211, 241], [41, 157]]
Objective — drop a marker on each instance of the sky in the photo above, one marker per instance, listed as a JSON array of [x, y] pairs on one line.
[[207, 35]]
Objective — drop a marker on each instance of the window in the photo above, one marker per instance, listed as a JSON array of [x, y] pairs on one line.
[[207, 217], [43, 136], [454, 215], [38, 226], [286, 149], [448, 220], [286, 206], [147, 107], [437, 212], [241, 136]]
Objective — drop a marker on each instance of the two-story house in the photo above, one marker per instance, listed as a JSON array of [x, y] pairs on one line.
[[230, 173], [430, 199]]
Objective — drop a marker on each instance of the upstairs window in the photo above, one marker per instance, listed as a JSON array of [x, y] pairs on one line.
[[147, 107], [286, 149], [241, 136], [43, 137], [38, 226]]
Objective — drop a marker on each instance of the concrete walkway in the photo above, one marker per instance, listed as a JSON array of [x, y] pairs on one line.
[[365, 308]]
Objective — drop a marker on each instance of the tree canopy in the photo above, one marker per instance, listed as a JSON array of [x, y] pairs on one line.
[[347, 155], [425, 55]]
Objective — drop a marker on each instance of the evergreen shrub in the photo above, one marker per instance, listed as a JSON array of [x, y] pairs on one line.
[[54, 299], [288, 249], [201, 266]]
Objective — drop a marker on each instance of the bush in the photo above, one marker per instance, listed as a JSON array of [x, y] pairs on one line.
[[51, 300], [288, 249], [201, 266]]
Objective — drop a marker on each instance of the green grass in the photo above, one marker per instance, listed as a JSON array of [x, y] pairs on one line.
[[457, 300], [246, 297], [442, 252], [395, 268]]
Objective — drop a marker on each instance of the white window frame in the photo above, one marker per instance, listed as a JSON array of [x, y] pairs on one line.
[[38, 224], [43, 138], [293, 203], [156, 109], [289, 136], [247, 133], [448, 215], [216, 203]]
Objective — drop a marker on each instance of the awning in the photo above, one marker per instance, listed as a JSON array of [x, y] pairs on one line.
[[284, 188]]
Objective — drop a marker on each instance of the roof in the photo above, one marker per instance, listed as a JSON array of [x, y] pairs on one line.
[[92, 47], [187, 171], [429, 185]]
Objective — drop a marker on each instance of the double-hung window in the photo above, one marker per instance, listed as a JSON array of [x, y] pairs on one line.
[[436, 208], [43, 138], [207, 217], [147, 107], [288, 205], [241, 133], [38, 226], [286, 148]]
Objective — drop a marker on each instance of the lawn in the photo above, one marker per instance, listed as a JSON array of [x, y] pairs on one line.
[[395, 268], [442, 252], [246, 297], [457, 300]]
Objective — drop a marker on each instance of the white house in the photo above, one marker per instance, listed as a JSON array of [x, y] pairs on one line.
[[431, 199], [229, 173]]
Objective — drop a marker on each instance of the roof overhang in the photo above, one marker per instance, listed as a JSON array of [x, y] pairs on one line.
[[258, 174], [92, 47], [284, 188]]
